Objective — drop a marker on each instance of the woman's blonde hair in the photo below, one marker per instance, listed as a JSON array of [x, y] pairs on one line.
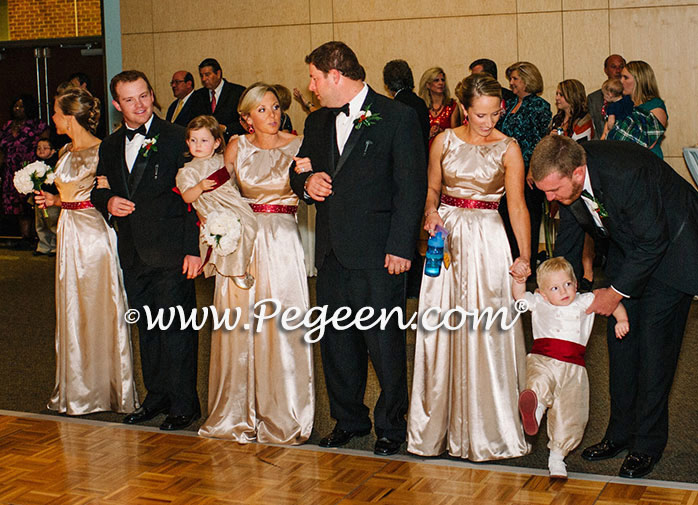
[[254, 95], [427, 78], [211, 124], [79, 103], [477, 85], [529, 74], [645, 82]]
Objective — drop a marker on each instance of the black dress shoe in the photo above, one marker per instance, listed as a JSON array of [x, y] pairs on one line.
[[143, 414], [178, 422], [603, 450], [386, 447], [340, 437], [636, 465]]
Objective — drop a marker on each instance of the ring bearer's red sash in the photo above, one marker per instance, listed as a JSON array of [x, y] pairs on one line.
[[562, 350]]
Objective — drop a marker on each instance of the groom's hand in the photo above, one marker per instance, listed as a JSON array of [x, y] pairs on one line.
[[319, 186], [396, 265], [120, 207], [191, 266], [605, 301]]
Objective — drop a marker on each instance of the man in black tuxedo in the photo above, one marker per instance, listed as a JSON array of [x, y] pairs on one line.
[[218, 98], [180, 110], [158, 245], [368, 181], [650, 214]]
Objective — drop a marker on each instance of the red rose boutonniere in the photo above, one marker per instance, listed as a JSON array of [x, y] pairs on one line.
[[149, 145], [366, 118]]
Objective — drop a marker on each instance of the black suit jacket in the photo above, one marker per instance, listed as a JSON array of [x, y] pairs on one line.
[[409, 98], [652, 218], [161, 231], [379, 185], [226, 107], [185, 115]]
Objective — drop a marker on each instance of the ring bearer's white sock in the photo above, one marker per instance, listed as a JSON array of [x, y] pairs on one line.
[[557, 466]]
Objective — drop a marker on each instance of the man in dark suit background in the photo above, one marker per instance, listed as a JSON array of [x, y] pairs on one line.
[[612, 67], [158, 245], [368, 181], [487, 66], [180, 110], [218, 98], [650, 214], [399, 81]]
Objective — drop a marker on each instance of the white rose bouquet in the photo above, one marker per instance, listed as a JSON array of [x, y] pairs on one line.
[[222, 232], [32, 176]]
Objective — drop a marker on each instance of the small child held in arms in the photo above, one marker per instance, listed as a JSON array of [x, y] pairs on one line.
[[618, 106], [46, 226], [556, 377], [206, 183]]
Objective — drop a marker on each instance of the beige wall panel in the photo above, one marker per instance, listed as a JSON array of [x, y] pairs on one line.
[[575, 5], [365, 10], [137, 53], [538, 5], [618, 4], [210, 14], [319, 34], [540, 42], [284, 64], [679, 164], [452, 50], [677, 83], [320, 11], [136, 16], [584, 61]]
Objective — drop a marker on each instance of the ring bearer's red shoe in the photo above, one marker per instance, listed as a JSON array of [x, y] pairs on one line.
[[528, 403]]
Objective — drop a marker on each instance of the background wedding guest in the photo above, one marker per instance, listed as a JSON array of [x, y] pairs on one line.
[[46, 225], [285, 103], [261, 383], [612, 67], [443, 110], [158, 245], [618, 105], [487, 66], [470, 167], [641, 85], [526, 118], [18, 139], [181, 109], [218, 98], [94, 363]]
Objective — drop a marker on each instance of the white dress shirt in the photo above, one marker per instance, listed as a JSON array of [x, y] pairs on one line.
[[344, 124], [134, 145]]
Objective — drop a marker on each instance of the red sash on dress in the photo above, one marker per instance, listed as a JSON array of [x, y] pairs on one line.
[[76, 205], [465, 203], [220, 177], [563, 350], [274, 209]]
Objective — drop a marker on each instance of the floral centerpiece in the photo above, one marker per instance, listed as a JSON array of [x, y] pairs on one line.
[[32, 176]]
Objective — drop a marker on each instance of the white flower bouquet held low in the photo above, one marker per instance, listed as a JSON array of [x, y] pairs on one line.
[[222, 231], [32, 176]]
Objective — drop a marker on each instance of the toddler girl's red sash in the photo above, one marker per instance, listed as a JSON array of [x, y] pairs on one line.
[[76, 205], [220, 177], [465, 203], [563, 350]]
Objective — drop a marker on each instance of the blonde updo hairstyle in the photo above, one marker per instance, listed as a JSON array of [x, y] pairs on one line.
[[79, 103], [475, 86], [253, 96]]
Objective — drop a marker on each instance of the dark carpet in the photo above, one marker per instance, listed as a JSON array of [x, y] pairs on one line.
[[27, 372]]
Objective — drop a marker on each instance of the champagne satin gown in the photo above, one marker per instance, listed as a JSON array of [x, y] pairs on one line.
[[467, 381], [261, 383], [94, 360]]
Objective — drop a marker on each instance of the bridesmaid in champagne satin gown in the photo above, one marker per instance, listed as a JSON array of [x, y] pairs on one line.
[[94, 361], [466, 381], [261, 382]]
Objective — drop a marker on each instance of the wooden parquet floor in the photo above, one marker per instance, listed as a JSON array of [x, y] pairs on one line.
[[59, 462]]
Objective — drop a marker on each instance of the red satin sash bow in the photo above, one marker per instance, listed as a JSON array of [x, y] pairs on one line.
[[563, 350], [465, 203]]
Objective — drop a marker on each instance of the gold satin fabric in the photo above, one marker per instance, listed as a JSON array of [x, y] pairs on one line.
[[261, 383], [226, 197], [467, 381], [94, 361]]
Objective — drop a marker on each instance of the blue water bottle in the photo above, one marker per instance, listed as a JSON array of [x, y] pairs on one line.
[[435, 255]]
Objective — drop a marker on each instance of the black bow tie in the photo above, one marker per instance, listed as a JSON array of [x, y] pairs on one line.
[[132, 133], [343, 109]]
